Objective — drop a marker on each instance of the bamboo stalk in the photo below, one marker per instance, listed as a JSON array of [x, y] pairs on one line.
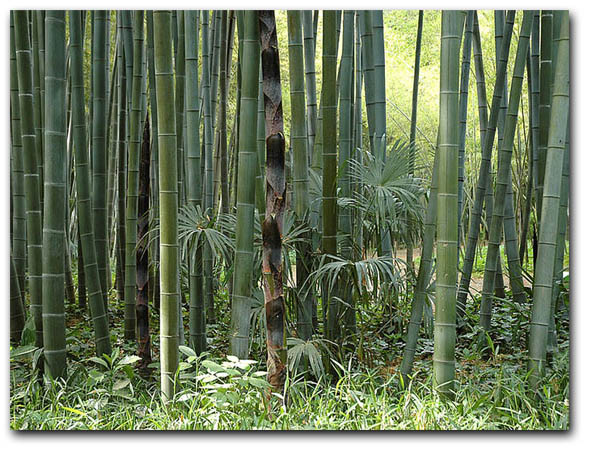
[[84, 207], [99, 209], [33, 211], [444, 335], [299, 145], [483, 180], [504, 179], [244, 252], [542, 290], [131, 220], [169, 313], [272, 226], [53, 278]]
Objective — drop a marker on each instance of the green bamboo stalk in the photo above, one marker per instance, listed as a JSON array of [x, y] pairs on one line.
[[154, 151], [557, 132], [462, 128], [207, 265], [128, 53], [535, 103], [499, 18], [544, 101], [272, 226], [121, 175], [504, 179], [53, 278], [345, 154], [299, 145], [357, 119], [165, 95], [509, 222], [379, 132], [413, 126], [19, 222], [112, 151], [17, 311], [82, 174], [329, 204], [131, 216], [194, 190], [179, 48], [224, 186], [366, 32], [483, 180], [37, 101], [31, 178], [99, 208], [444, 335], [260, 153], [424, 275], [214, 69], [40, 16], [552, 343], [533, 85], [310, 79], [244, 252]]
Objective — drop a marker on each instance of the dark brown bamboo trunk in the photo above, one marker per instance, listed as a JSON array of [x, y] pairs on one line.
[[275, 202], [141, 305], [81, 287]]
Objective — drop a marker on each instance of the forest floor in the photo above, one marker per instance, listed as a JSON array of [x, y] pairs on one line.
[[362, 391]]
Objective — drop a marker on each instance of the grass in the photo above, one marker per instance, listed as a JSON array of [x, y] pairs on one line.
[[226, 394], [491, 396], [365, 393]]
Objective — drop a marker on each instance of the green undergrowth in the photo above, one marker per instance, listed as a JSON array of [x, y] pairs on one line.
[[365, 391], [230, 394], [491, 396]]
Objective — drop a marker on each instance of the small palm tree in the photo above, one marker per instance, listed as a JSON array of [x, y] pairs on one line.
[[389, 194]]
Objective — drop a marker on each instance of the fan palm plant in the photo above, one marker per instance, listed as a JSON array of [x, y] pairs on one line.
[[388, 193]]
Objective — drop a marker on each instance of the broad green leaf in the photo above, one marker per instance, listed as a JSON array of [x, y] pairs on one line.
[[210, 365], [257, 382], [121, 384], [129, 359], [187, 351]]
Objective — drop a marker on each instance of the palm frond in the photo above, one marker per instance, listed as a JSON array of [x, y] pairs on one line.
[[197, 227]]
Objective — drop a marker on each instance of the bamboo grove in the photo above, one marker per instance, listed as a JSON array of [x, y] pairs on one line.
[[206, 169]]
